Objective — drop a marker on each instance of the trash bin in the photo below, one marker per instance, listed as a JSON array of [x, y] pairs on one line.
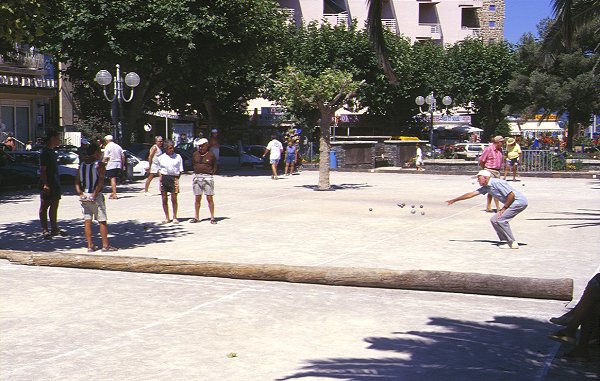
[[332, 159]]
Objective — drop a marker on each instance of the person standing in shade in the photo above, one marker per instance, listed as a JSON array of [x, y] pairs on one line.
[[51, 191], [514, 203], [275, 150], [491, 160], [213, 143], [9, 144], [291, 156], [170, 168], [419, 158], [153, 155], [88, 185], [513, 157], [115, 160], [205, 166]]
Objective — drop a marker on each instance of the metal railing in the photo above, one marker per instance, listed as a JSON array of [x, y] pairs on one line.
[[538, 161], [391, 25], [337, 18]]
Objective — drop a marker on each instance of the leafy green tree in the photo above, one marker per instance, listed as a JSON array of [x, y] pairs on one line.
[[478, 77], [567, 85], [20, 22], [324, 92], [184, 51]]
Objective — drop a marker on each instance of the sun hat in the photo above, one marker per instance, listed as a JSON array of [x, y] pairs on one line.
[[510, 141]]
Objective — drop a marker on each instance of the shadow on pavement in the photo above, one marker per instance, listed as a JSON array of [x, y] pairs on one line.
[[587, 217], [129, 234], [507, 348], [335, 187]]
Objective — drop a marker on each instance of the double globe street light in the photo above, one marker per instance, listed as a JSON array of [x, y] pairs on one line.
[[132, 80], [431, 102]]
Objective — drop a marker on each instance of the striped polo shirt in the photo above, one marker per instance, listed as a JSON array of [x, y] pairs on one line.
[[88, 175]]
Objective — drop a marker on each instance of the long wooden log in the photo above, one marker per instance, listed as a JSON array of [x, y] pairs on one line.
[[423, 280]]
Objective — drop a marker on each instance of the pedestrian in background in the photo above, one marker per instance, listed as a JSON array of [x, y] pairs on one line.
[[513, 200], [213, 143], [275, 150], [170, 168], [419, 158], [115, 162], [153, 155], [205, 166], [291, 156], [88, 185], [491, 160], [513, 157], [51, 191]]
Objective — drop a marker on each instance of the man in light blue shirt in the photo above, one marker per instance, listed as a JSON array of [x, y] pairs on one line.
[[514, 203]]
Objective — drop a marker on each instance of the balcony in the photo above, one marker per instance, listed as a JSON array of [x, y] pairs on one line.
[[470, 32], [23, 57], [429, 31], [289, 14], [336, 18], [390, 24]]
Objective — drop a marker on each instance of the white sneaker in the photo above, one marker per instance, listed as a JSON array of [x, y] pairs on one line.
[[147, 194], [513, 245]]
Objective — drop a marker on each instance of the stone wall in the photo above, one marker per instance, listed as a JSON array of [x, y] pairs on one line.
[[486, 15]]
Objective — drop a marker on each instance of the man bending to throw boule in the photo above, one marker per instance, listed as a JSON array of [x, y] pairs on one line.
[[513, 200]]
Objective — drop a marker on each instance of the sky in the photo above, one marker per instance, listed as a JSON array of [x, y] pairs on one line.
[[522, 16]]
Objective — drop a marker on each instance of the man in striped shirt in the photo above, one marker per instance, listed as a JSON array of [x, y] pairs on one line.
[[491, 160], [88, 185]]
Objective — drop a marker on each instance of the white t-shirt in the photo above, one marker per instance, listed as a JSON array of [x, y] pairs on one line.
[[275, 147], [170, 165], [114, 152]]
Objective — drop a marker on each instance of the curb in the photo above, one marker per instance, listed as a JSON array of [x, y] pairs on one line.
[[420, 280]]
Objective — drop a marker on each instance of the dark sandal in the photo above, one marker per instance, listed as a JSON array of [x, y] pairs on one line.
[[61, 233], [109, 248], [93, 248], [213, 221], [194, 221]]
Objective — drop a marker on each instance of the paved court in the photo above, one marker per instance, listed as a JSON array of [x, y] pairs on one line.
[[109, 325]]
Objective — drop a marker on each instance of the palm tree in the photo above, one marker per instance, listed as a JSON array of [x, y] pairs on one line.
[[570, 16], [375, 32]]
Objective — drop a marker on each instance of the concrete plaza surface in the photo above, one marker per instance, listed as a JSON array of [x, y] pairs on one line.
[[86, 324]]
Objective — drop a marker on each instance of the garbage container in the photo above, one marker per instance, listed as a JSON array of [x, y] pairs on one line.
[[332, 159]]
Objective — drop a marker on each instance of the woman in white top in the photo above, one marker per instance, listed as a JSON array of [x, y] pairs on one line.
[[170, 168], [155, 152]]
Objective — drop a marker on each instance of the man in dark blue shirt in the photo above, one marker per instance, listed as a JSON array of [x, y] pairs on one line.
[[50, 186]]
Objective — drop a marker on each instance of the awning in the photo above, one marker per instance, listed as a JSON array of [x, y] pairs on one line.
[[464, 128], [517, 128]]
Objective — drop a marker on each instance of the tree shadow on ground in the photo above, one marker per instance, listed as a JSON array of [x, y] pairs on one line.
[[584, 218], [507, 348], [335, 187], [128, 234]]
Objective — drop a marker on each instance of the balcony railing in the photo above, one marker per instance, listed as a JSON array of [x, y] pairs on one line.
[[470, 32], [390, 24], [336, 18], [433, 31], [24, 57]]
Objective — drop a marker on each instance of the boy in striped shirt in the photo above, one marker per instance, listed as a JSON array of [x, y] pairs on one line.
[[88, 185]]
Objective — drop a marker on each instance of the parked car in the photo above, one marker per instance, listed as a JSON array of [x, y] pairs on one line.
[[469, 151], [258, 150], [231, 157], [22, 167], [139, 167]]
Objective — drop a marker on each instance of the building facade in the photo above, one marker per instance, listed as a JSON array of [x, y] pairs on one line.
[[28, 95], [442, 21]]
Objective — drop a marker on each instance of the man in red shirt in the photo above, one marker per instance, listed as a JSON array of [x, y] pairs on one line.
[[491, 159]]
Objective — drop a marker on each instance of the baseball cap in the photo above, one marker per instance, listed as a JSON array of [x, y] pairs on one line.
[[108, 137], [84, 141], [214, 130], [484, 173], [498, 139], [202, 141]]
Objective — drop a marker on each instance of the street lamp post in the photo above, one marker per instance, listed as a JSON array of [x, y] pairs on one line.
[[431, 102], [104, 78]]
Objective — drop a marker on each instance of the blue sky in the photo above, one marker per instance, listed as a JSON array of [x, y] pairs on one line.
[[522, 16]]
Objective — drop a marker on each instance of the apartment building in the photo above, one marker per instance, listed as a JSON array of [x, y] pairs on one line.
[[441, 21], [28, 94]]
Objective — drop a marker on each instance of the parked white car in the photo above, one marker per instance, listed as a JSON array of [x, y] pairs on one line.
[[469, 151], [140, 167]]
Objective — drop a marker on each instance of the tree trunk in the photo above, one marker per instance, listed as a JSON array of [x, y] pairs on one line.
[[213, 116], [424, 280], [324, 149]]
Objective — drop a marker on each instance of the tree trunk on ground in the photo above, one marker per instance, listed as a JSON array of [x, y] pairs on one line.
[[424, 280], [324, 149]]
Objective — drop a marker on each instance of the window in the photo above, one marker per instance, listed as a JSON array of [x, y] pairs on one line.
[[492, 8], [492, 24]]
